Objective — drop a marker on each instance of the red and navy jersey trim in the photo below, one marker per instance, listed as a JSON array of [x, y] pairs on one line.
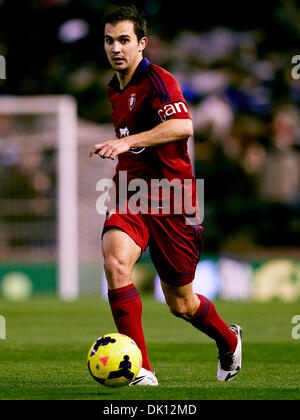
[[159, 86]]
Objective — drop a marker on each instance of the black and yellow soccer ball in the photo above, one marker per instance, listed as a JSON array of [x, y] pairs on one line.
[[114, 360]]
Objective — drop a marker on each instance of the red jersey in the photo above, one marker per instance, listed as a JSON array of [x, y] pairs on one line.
[[151, 97]]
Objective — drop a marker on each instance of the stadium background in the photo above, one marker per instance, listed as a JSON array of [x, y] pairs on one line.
[[234, 64]]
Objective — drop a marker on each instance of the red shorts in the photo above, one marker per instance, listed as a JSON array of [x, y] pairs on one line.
[[174, 246]]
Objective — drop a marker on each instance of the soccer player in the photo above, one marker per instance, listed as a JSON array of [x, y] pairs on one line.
[[152, 124]]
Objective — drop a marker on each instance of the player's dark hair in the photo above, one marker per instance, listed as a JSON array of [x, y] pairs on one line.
[[131, 13]]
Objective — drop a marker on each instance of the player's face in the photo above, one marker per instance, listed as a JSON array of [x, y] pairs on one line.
[[121, 45]]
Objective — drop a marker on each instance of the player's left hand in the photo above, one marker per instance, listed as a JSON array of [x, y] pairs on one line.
[[110, 149]]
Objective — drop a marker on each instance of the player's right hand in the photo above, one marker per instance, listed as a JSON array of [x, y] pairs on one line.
[[110, 149]]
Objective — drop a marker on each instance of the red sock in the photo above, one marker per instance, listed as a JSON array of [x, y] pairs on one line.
[[208, 321], [126, 307]]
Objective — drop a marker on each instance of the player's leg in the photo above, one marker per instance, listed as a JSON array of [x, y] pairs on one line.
[[120, 253], [182, 301], [175, 250], [201, 313]]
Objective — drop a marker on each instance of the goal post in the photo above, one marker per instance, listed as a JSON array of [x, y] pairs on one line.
[[64, 109], [67, 199]]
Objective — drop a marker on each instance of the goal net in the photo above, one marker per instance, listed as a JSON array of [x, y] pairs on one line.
[[50, 229]]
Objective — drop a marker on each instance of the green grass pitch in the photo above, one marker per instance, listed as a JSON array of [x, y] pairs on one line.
[[47, 340]]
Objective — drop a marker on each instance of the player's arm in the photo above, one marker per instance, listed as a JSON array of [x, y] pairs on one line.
[[166, 132]]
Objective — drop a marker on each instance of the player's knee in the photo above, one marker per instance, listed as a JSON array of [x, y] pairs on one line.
[[116, 270], [181, 310]]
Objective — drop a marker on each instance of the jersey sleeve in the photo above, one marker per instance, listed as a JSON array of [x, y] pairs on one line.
[[166, 96]]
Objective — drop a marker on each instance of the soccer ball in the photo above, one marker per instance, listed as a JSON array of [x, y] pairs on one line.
[[114, 360]]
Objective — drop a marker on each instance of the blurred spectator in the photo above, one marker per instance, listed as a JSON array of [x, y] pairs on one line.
[[280, 173]]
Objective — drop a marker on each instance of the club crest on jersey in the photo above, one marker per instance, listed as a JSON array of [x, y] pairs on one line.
[[131, 101]]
